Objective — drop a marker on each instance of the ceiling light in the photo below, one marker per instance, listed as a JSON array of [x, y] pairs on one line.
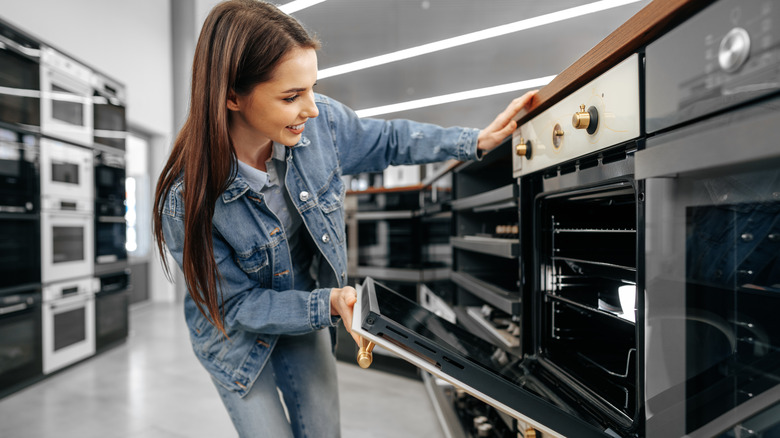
[[455, 97], [297, 5], [492, 32]]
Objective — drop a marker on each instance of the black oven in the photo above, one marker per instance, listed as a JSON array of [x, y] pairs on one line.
[[111, 309], [20, 254], [19, 172], [19, 80], [110, 224], [20, 340], [110, 125]]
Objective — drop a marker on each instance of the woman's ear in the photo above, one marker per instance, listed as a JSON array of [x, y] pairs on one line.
[[232, 101]]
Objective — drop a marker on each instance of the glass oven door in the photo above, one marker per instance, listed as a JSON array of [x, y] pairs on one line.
[[19, 177], [66, 171], [19, 81], [20, 261], [20, 339], [68, 322], [713, 275], [67, 245], [66, 104]]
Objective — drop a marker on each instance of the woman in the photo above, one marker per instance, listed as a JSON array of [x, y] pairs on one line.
[[250, 205]]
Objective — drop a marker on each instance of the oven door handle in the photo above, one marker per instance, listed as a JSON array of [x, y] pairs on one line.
[[15, 308], [69, 303], [27, 51]]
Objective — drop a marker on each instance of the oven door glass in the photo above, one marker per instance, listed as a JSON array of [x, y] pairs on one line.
[[713, 291], [20, 339], [110, 123], [110, 184], [19, 177], [461, 358], [111, 317], [19, 89], [66, 171], [110, 239], [20, 261], [68, 330]]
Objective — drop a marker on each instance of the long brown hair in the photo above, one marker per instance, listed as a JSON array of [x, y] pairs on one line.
[[239, 46]]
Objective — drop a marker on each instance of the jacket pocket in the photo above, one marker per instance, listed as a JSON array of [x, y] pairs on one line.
[[331, 203], [255, 264]]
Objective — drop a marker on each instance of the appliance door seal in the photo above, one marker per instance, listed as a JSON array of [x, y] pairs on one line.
[[375, 318]]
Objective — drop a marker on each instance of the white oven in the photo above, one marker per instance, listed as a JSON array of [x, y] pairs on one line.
[[66, 98], [68, 321], [67, 244], [67, 171]]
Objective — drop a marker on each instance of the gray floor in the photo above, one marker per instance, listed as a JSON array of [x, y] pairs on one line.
[[152, 387]]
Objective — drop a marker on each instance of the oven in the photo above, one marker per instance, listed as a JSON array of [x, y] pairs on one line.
[[711, 168], [112, 322], [67, 243], [109, 121], [66, 171], [19, 174], [110, 224], [66, 98], [20, 104], [68, 322], [20, 339], [20, 260]]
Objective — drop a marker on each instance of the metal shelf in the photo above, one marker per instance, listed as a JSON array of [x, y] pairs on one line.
[[507, 248], [499, 298], [403, 274], [497, 199]]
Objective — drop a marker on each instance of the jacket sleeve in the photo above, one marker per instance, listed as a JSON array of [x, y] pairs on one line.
[[371, 145], [247, 306]]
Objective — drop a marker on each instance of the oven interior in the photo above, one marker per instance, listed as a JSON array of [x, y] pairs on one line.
[[587, 249]]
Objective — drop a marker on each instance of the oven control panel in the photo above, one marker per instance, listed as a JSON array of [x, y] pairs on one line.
[[603, 113]]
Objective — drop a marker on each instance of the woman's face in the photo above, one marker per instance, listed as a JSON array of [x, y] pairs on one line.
[[276, 110]]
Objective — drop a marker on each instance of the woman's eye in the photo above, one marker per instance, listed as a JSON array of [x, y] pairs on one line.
[[291, 99]]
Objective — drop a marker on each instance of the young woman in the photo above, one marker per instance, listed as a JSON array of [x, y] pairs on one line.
[[250, 206]]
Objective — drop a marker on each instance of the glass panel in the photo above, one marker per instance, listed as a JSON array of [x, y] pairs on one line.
[[70, 328], [65, 110], [22, 74], [67, 173], [19, 260], [68, 244], [17, 342]]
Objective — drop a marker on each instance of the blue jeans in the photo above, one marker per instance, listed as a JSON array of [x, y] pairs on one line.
[[303, 368]]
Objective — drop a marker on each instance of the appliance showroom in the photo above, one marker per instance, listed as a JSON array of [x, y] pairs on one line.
[[609, 266]]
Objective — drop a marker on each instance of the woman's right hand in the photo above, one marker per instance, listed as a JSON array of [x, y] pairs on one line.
[[342, 300]]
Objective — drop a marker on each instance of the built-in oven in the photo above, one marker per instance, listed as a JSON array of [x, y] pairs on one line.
[[711, 168], [20, 339], [20, 86], [66, 98], [67, 244], [109, 103], [110, 208], [112, 321], [68, 322], [67, 171], [20, 260]]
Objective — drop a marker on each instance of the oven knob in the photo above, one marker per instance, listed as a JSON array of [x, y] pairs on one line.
[[734, 49], [557, 136], [587, 120], [523, 148]]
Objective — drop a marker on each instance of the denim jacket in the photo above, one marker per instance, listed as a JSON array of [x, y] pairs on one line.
[[257, 293]]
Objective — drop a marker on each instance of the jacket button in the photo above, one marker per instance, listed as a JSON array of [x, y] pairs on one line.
[[304, 196], [325, 238]]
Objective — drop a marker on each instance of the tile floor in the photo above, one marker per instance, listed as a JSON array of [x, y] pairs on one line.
[[152, 386]]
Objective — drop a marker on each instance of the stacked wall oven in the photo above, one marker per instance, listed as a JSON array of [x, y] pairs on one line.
[[20, 276]]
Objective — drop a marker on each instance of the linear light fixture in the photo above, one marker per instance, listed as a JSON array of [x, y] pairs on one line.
[[460, 40], [455, 97], [297, 5]]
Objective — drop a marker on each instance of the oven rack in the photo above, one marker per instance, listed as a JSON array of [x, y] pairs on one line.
[[588, 308], [502, 198]]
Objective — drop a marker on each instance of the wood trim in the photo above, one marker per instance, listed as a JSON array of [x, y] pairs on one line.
[[646, 25]]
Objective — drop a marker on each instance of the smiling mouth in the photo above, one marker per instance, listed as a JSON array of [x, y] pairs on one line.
[[296, 127]]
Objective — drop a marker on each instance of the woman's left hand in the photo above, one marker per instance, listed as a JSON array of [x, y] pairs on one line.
[[503, 125]]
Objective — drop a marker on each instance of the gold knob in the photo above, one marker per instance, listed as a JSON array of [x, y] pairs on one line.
[[365, 357], [581, 119], [521, 147]]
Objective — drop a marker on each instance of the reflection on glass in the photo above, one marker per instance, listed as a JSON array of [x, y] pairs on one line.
[[68, 244]]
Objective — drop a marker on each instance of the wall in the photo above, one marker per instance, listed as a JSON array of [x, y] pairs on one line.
[[128, 41]]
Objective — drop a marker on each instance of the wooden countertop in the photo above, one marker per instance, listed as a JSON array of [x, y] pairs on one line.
[[646, 25]]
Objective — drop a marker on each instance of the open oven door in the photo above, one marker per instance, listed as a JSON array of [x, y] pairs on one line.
[[457, 356]]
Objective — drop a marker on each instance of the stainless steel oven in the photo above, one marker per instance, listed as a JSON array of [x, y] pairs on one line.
[[66, 171], [110, 208], [109, 102], [112, 322], [711, 168], [66, 98], [20, 339], [67, 244], [20, 86], [68, 321]]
